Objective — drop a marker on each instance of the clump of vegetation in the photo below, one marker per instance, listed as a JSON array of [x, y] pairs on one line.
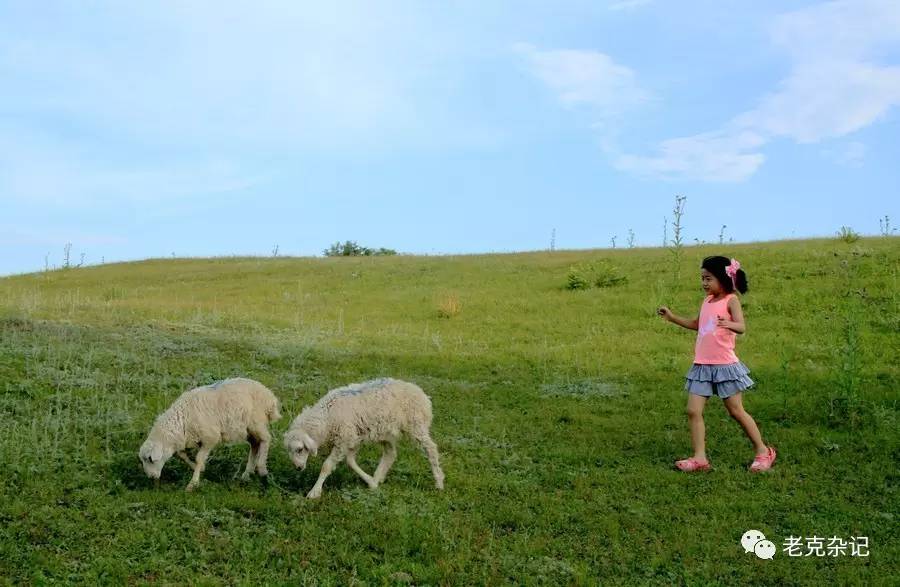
[[600, 273], [848, 235], [449, 306], [352, 249], [607, 275], [577, 278]]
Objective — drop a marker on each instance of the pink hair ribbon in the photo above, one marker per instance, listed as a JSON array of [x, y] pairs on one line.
[[731, 271]]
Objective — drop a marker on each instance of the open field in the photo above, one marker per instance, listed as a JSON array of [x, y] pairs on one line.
[[558, 414]]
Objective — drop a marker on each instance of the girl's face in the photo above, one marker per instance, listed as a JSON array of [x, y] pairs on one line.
[[711, 285]]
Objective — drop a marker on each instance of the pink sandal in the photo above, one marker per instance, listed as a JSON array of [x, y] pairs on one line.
[[763, 462], [692, 465]]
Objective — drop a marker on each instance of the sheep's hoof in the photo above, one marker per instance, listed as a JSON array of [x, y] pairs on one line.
[[245, 477], [190, 487], [313, 494], [373, 486]]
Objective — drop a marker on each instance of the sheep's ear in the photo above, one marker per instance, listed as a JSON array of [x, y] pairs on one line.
[[156, 454], [310, 444]]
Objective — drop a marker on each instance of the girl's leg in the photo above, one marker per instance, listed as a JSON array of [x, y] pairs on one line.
[[735, 407], [698, 429]]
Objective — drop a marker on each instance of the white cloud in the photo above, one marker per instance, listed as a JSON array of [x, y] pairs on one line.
[[710, 156], [841, 30], [836, 86], [587, 79], [826, 100]]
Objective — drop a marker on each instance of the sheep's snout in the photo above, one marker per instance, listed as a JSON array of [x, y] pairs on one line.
[[153, 470], [297, 448], [153, 457], [299, 458]]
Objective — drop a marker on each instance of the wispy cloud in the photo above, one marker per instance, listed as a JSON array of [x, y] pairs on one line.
[[836, 86], [716, 156], [587, 79]]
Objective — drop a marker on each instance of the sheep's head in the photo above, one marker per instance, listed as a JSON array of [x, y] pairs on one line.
[[299, 446], [153, 456]]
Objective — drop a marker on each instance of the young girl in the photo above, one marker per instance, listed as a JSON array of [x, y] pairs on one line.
[[716, 369]]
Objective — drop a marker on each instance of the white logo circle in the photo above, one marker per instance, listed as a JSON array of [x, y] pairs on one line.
[[765, 549], [750, 538]]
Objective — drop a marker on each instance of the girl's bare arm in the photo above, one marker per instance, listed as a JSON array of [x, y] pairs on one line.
[[689, 323], [737, 313]]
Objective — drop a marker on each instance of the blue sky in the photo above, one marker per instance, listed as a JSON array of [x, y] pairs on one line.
[[136, 130]]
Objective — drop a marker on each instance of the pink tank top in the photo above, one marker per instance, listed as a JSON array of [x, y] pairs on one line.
[[715, 346]]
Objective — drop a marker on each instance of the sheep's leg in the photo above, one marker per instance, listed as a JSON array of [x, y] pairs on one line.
[[430, 448], [351, 460], [327, 467], [202, 453], [386, 462], [252, 458], [261, 468], [184, 457]]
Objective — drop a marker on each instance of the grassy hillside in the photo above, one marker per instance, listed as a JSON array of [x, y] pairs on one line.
[[558, 414]]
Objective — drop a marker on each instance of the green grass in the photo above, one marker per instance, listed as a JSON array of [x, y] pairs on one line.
[[558, 414]]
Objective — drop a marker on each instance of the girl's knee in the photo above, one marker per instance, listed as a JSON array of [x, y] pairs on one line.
[[737, 412]]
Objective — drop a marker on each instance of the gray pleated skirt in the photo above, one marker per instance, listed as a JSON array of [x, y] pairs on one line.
[[721, 380]]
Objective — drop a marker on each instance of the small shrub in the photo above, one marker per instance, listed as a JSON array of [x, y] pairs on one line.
[[848, 235], [577, 278], [610, 280], [351, 249], [597, 274]]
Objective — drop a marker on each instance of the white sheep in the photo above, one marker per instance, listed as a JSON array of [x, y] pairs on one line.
[[233, 410], [345, 418]]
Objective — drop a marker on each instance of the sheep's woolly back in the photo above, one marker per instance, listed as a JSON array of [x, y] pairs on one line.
[[372, 411], [219, 412]]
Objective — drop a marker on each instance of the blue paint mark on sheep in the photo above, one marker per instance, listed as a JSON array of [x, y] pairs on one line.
[[359, 388]]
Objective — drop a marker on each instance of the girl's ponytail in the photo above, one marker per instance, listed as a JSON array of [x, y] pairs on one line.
[[740, 281]]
